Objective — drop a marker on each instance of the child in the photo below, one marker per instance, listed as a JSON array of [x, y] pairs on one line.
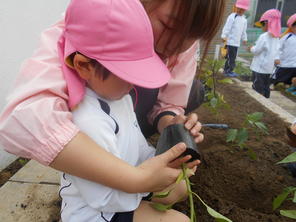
[[286, 58], [94, 50], [265, 51], [235, 30], [51, 137]]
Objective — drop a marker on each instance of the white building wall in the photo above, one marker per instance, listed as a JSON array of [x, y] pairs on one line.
[[20, 25]]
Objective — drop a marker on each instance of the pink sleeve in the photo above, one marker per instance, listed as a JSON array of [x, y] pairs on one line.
[[173, 97], [36, 122]]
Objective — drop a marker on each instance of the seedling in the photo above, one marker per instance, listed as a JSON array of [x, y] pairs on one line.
[[184, 176], [242, 70], [240, 136], [170, 136], [288, 193], [214, 98]]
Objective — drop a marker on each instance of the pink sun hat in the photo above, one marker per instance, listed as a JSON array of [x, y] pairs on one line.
[[118, 34], [244, 4], [273, 17], [291, 20]]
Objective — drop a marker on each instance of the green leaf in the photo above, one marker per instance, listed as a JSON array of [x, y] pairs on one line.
[[161, 207], [252, 154], [294, 198], [255, 117], [231, 135], [289, 159], [214, 102], [277, 202], [227, 81], [210, 82], [242, 136], [261, 126], [218, 217], [288, 213], [162, 194]]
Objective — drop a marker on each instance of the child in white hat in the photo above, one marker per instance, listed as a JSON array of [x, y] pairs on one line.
[[286, 58], [235, 31], [265, 51]]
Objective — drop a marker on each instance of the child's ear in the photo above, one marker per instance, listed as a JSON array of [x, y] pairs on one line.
[[83, 66]]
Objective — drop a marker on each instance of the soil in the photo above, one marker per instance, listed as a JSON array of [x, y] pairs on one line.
[[11, 170], [231, 182]]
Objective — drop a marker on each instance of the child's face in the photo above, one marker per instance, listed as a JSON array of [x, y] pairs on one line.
[[240, 11], [163, 19], [293, 28], [265, 27], [112, 88]]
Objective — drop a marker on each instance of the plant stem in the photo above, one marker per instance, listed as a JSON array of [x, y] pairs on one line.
[[191, 202]]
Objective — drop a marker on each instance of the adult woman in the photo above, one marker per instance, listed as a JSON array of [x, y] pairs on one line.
[[50, 136]]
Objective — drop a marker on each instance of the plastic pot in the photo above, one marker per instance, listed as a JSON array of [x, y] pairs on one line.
[[173, 135]]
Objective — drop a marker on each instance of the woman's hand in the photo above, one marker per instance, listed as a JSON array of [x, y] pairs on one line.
[[191, 123]]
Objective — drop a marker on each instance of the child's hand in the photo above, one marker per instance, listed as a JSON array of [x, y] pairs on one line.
[[192, 124], [249, 48], [245, 42], [224, 40], [277, 62], [159, 172]]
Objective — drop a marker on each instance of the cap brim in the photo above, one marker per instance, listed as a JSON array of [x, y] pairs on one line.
[[147, 73], [258, 24]]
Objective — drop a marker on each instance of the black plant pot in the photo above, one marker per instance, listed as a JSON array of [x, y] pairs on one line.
[[173, 135]]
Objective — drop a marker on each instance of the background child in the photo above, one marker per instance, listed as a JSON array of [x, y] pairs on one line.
[[106, 111], [265, 51], [286, 58], [235, 30]]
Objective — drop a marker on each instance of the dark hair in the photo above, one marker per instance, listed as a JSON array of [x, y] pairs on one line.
[[100, 69], [263, 23], [294, 24], [199, 19]]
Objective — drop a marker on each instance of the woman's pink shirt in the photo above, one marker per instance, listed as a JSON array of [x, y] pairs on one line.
[[37, 124]]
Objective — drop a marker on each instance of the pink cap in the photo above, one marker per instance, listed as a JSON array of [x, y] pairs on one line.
[[117, 34], [273, 17], [291, 20], [244, 4]]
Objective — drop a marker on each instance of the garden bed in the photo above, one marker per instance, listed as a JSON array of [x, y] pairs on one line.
[[228, 179]]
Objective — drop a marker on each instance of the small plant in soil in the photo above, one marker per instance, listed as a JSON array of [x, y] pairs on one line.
[[215, 100], [240, 136], [244, 72], [184, 176], [170, 136], [289, 193]]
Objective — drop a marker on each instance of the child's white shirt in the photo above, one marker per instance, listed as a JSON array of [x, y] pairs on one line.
[[287, 51], [113, 126], [265, 51], [235, 29]]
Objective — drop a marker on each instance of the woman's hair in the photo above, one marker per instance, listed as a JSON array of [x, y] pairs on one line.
[[199, 19], [294, 24]]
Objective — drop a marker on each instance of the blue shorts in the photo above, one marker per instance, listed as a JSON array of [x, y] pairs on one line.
[[128, 216], [123, 217]]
